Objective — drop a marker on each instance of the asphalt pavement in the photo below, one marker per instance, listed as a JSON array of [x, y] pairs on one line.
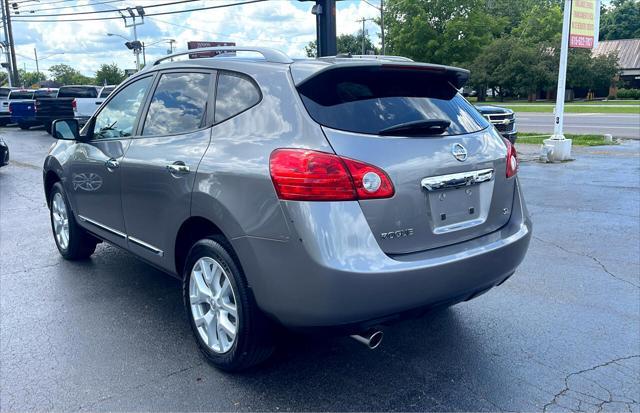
[[110, 334], [618, 125]]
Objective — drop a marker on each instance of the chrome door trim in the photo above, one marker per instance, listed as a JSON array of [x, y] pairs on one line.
[[103, 227], [136, 241], [143, 244], [457, 180]]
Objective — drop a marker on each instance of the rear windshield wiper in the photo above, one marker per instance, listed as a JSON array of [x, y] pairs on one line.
[[417, 128]]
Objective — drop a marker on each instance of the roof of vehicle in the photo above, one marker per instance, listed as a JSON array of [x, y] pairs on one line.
[[91, 86], [303, 69]]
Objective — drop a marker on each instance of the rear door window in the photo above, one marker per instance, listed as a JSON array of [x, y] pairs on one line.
[[179, 104], [370, 100], [78, 92], [235, 94]]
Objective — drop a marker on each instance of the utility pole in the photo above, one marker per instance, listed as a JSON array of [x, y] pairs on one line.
[[363, 20], [134, 24], [14, 66], [5, 46], [35, 53], [325, 12], [382, 26]]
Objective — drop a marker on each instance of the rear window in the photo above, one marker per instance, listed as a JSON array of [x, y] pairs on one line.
[[45, 93], [20, 95], [4, 93], [372, 99], [78, 92]]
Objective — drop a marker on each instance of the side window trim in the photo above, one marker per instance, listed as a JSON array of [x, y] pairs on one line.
[[243, 76], [90, 125], [207, 118]]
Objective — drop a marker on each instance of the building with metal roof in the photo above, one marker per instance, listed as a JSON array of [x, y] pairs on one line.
[[628, 51]]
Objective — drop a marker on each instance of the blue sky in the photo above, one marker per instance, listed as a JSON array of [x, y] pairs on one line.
[[283, 24]]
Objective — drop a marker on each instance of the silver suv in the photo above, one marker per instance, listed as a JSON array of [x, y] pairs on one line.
[[339, 193]]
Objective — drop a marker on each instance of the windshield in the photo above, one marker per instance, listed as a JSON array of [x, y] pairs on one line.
[[372, 101]]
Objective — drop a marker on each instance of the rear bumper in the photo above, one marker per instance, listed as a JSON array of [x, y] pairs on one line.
[[332, 273]]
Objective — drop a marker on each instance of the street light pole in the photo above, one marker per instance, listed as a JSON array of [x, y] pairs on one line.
[[35, 53]]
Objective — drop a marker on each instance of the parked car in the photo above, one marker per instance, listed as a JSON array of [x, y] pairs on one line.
[[4, 153], [503, 119], [85, 99], [23, 112], [104, 93], [337, 194], [14, 95], [74, 101], [4, 102]]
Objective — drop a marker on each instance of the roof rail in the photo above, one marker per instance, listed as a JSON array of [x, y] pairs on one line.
[[373, 56], [269, 54]]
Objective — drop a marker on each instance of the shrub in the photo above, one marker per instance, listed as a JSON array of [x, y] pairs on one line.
[[629, 93]]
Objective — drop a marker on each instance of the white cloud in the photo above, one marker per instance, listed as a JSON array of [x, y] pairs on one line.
[[282, 24]]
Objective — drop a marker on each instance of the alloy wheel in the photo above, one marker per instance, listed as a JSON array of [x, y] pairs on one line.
[[213, 305], [60, 220]]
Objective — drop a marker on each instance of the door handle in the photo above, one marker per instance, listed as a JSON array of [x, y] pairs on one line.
[[178, 168], [112, 164]]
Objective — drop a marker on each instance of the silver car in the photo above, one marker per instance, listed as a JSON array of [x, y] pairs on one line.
[[337, 193]]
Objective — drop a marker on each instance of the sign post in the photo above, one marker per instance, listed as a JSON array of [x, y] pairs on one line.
[[579, 30]]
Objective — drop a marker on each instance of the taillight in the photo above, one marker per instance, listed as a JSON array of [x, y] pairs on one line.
[[512, 159], [306, 175], [74, 105], [10, 109]]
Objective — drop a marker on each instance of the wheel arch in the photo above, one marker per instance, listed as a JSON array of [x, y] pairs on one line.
[[50, 179], [191, 231]]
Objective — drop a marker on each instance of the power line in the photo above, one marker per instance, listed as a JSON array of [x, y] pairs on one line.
[[146, 15], [77, 6], [104, 11]]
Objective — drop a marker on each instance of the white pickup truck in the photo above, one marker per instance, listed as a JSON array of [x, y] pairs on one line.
[[85, 97]]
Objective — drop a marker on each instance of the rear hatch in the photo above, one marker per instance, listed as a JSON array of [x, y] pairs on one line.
[[447, 165]]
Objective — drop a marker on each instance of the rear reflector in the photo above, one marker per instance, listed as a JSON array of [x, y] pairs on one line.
[[512, 159], [306, 175]]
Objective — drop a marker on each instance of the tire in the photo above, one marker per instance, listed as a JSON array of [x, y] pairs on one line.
[[78, 244], [23, 126], [47, 127], [3, 123], [253, 340]]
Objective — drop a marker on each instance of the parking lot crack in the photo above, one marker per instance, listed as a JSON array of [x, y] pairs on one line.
[[594, 259], [569, 392]]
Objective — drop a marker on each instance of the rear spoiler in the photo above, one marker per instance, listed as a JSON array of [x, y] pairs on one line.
[[305, 71]]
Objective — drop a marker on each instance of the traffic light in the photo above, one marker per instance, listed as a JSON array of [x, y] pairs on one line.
[[134, 45]]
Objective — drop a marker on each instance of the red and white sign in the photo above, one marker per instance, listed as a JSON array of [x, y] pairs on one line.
[[199, 45]]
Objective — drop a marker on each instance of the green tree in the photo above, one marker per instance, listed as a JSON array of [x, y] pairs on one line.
[[346, 43], [29, 79], [109, 74], [620, 20], [67, 75], [440, 31]]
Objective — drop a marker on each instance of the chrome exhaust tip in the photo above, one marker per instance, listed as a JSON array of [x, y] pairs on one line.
[[371, 339]]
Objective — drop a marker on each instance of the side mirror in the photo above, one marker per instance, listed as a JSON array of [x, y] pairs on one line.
[[67, 129]]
